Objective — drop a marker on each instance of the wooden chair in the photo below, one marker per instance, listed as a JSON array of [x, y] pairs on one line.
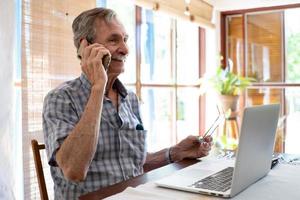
[[36, 147]]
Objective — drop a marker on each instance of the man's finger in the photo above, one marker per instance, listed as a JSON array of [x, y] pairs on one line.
[[208, 139], [204, 145]]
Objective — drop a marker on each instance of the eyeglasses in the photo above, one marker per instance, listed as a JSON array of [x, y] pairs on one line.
[[220, 118]]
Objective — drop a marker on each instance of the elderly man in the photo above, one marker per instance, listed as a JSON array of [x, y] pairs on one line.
[[93, 131]]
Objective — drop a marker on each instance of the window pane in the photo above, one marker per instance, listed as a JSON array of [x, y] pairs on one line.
[[260, 96], [155, 48], [157, 109], [292, 32], [264, 60], [131, 88], [126, 13], [292, 137], [269, 96], [264, 46], [235, 43], [187, 112], [287, 123], [187, 52]]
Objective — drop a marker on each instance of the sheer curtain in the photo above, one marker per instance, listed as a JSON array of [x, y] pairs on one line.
[[48, 59], [10, 160]]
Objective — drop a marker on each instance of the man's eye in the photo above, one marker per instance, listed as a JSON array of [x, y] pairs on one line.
[[126, 39], [113, 40]]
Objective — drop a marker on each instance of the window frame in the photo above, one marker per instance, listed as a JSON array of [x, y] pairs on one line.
[[273, 85], [201, 60]]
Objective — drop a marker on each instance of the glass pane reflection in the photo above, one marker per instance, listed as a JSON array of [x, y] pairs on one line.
[[292, 118], [260, 96], [155, 48], [287, 138], [187, 112], [157, 108], [126, 14], [263, 96], [264, 46], [292, 34], [187, 53], [235, 41]]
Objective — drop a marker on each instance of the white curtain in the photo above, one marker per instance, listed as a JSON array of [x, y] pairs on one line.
[[10, 136]]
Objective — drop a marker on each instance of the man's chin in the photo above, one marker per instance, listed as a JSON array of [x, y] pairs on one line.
[[115, 70], [116, 65]]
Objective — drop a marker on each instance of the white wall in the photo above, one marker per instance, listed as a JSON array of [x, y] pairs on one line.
[[9, 159]]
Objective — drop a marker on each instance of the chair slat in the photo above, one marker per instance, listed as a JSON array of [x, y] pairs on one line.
[[36, 147]]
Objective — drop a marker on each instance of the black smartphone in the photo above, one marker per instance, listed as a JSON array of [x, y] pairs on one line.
[[106, 61]]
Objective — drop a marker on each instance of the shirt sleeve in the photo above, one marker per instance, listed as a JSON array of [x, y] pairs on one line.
[[59, 119]]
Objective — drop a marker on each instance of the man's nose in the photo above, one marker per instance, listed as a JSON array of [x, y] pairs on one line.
[[123, 48]]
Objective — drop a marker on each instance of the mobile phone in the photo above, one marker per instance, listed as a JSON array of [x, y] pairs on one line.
[[105, 59]]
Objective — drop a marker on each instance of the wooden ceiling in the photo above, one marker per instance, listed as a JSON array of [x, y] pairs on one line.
[[200, 11]]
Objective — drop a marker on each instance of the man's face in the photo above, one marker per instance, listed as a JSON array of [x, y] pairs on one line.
[[114, 37]]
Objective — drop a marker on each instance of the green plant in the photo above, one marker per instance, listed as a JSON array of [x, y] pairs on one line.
[[225, 82]]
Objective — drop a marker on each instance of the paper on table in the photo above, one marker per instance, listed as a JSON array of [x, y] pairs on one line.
[[140, 194]]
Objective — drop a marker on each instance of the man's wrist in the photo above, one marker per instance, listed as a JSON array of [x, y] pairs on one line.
[[168, 156], [98, 87]]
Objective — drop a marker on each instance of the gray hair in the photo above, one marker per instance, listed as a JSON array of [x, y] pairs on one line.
[[83, 24]]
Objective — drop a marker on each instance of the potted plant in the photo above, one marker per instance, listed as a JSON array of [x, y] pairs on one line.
[[227, 85]]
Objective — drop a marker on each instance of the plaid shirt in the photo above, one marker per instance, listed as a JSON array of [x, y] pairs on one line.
[[120, 152]]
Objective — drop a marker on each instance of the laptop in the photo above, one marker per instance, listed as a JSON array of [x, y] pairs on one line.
[[227, 178]]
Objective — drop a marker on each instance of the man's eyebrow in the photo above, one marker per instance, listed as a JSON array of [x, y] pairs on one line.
[[119, 35]]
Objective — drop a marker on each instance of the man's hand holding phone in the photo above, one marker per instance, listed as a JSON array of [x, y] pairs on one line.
[[92, 56]]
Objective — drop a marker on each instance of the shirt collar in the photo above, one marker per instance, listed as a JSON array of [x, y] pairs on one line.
[[118, 85]]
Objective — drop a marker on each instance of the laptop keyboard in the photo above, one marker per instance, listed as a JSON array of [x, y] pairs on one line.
[[220, 181]]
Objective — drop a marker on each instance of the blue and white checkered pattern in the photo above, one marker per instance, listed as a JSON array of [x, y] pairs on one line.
[[121, 150]]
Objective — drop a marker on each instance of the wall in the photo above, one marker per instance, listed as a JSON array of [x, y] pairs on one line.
[[9, 162]]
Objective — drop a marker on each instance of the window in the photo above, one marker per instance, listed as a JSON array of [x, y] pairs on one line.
[[126, 13], [264, 44], [166, 71]]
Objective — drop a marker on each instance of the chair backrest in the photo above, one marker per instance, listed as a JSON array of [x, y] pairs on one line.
[[36, 147]]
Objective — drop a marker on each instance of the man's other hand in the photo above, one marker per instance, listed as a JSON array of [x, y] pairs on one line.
[[191, 147]]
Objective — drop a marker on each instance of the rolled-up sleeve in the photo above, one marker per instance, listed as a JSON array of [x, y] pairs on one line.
[[59, 119]]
